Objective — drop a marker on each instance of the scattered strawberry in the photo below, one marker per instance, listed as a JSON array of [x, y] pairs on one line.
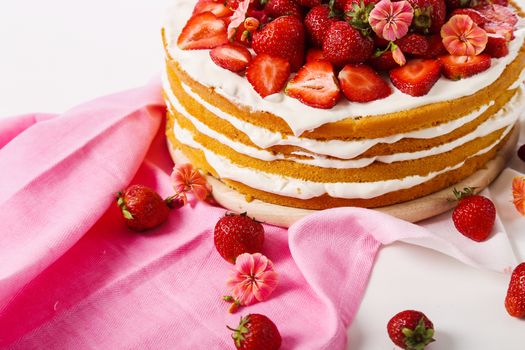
[[256, 332], [284, 37], [429, 15], [417, 77], [499, 14], [278, 8], [383, 62], [203, 31], [317, 22], [515, 299], [475, 15], [435, 47], [413, 43], [344, 44], [314, 55], [474, 215], [217, 8], [410, 330], [238, 234], [497, 46], [231, 57], [268, 74], [142, 208], [521, 153], [315, 85], [460, 67], [309, 3], [360, 83], [518, 194]]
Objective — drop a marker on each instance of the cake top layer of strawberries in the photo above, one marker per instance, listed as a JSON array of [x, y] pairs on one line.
[[355, 52]]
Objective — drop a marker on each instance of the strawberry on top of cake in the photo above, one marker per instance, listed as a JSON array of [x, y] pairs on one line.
[[359, 50]]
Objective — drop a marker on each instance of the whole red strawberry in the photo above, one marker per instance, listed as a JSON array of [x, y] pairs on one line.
[[410, 330], [256, 332], [284, 38], [429, 15], [515, 299], [344, 44], [142, 208], [238, 234], [278, 8], [316, 23], [474, 215]]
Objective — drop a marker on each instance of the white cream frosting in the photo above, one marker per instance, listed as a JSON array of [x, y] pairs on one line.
[[296, 188], [505, 117], [299, 117]]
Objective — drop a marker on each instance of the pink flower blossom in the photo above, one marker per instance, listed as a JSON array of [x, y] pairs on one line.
[[398, 55], [187, 179], [391, 20], [253, 279], [462, 37], [238, 17]]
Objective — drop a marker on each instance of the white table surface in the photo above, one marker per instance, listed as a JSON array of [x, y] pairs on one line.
[[56, 54]]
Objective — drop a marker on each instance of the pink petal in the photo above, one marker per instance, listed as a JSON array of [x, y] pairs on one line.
[[244, 264], [265, 288], [260, 263], [238, 18], [398, 56]]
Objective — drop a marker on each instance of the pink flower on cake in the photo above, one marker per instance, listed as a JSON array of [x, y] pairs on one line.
[[391, 20], [187, 179], [253, 279], [462, 37], [398, 55], [238, 17], [518, 194]]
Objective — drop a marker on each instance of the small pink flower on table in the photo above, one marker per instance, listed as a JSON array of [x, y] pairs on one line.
[[253, 279], [391, 20], [187, 179], [462, 37]]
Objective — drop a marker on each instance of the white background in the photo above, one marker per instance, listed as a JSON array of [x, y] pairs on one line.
[[55, 54]]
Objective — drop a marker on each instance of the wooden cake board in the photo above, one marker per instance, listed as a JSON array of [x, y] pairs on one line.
[[412, 211]]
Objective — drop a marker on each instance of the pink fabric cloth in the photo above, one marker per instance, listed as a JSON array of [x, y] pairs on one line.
[[73, 277]]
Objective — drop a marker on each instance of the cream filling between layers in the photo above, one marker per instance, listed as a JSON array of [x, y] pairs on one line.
[[297, 188], [198, 65], [341, 149]]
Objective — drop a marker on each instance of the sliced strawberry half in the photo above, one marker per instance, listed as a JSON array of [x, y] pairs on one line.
[[360, 83], [314, 55], [231, 57], [315, 85], [417, 77], [497, 46], [460, 67], [203, 31], [217, 8], [499, 14], [503, 29], [475, 15], [268, 74]]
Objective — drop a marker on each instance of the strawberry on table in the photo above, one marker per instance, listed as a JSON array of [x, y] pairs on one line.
[[417, 77], [278, 8], [284, 37], [203, 31], [411, 330], [515, 299], [497, 46], [344, 44], [317, 22], [237, 234], [474, 215], [142, 208], [315, 85], [268, 74], [256, 332], [460, 67], [429, 15], [231, 57], [360, 83]]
